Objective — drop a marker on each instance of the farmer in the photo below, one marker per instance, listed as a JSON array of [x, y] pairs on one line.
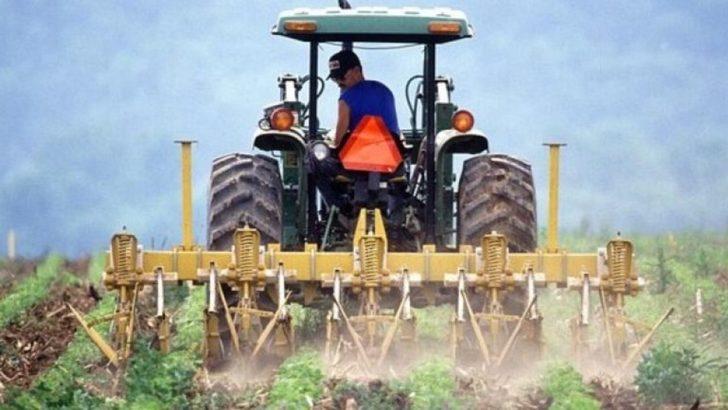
[[359, 97]]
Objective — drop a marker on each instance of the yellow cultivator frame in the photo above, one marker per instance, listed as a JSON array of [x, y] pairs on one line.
[[368, 270]]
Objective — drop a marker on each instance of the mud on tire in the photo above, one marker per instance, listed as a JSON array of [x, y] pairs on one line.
[[244, 188], [496, 194]]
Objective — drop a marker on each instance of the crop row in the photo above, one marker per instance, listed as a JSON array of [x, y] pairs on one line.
[[62, 385], [31, 290]]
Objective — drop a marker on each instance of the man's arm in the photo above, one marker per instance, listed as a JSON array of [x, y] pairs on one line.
[[342, 123]]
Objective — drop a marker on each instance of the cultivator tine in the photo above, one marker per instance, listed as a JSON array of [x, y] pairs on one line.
[[212, 291], [336, 311], [461, 296], [281, 285], [392, 331], [585, 300], [607, 326], [274, 321], [130, 324], [229, 320], [95, 337], [334, 316], [159, 272], [163, 334], [512, 339], [646, 339], [476, 329], [580, 323], [213, 343], [355, 337], [531, 292], [409, 330], [162, 320]]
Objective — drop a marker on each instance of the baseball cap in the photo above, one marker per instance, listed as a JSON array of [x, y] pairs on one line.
[[342, 62]]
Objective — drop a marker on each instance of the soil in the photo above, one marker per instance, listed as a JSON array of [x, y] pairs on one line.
[[31, 346]]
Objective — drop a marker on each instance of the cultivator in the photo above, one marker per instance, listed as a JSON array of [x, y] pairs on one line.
[[487, 275]]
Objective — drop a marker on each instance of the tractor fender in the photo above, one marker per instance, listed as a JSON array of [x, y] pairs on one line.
[[455, 142], [274, 140]]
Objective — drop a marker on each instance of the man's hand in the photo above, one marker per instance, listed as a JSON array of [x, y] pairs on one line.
[[342, 123]]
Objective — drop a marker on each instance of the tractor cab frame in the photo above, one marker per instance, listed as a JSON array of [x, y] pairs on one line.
[[433, 142]]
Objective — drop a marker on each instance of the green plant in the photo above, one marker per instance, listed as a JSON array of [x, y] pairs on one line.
[[567, 390], [432, 385], [299, 382], [30, 291], [159, 381], [668, 375], [433, 322], [154, 380], [307, 322]]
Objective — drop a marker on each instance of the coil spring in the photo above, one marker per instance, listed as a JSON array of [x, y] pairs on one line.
[[245, 254], [124, 262], [495, 266], [618, 265], [370, 260]]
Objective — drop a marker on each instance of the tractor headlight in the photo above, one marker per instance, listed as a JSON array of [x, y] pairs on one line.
[[320, 150]]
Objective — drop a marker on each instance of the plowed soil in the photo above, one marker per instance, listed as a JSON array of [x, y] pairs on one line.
[[31, 346]]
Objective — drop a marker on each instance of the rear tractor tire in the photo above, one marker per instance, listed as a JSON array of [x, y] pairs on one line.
[[496, 194], [244, 189]]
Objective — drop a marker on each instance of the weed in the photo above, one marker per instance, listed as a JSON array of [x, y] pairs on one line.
[[433, 322], [431, 385], [565, 386], [307, 322], [668, 375], [154, 380], [299, 382]]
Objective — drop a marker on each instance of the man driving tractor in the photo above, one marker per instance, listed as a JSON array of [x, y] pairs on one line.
[[359, 98]]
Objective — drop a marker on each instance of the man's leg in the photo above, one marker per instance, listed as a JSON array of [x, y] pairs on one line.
[[325, 171]]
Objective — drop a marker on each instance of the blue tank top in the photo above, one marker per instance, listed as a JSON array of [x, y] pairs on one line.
[[371, 98]]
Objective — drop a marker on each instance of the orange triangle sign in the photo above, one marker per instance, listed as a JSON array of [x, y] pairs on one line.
[[371, 147]]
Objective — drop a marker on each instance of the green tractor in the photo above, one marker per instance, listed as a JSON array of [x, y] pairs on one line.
[[277, 195], [422, 204]]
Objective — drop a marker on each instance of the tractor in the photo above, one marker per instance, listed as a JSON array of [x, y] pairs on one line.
[[411, 233], [406, 180]]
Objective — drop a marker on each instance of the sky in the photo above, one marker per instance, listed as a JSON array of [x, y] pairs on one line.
[[95, 92]]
